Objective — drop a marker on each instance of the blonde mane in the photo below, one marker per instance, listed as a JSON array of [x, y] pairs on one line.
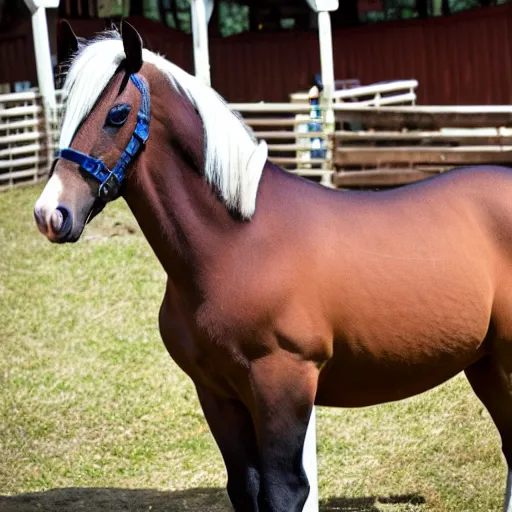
[[233, 160]]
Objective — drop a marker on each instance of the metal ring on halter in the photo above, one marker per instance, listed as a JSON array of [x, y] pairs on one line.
[[111, 180]]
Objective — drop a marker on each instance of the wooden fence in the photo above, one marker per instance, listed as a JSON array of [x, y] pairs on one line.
[[399, 145], [28, 138], [371, 146], [284, 126], [24, 144]]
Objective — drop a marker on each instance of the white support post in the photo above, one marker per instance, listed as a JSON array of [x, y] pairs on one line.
[[42, 50], [200, 18], [327, 69], [309, 463], [326, 56], [323, 8], [44, 65]]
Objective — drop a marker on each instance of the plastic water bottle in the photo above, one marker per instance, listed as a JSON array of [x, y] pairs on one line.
[[315, 124]]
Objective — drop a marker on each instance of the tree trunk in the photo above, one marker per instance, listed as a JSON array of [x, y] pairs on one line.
[[174, 10], [437, 7], [445, 8]]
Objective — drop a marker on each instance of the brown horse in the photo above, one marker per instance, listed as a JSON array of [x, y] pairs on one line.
[[282, 294]]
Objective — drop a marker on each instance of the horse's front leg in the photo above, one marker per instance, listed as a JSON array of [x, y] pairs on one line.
[[233, 430], [284, 389]]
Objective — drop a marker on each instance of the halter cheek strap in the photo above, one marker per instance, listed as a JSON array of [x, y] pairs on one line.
[[111, 180]]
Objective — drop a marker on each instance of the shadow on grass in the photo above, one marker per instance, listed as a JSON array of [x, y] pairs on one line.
[[76, 499], [369, 504]]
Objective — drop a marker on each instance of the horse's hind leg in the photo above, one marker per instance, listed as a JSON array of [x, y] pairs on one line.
[[491, 379]]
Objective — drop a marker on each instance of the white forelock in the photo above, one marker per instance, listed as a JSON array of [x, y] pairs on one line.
[[233, 160]]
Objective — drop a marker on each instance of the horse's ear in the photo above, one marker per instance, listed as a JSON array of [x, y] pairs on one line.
[[132, 43], [68, 42]]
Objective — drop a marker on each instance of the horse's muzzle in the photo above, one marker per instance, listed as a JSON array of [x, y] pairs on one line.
[[57, 225]]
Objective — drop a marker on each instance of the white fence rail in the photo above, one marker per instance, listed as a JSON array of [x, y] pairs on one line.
[[284, 126], [23, 139], [396, 92], [28, 137]]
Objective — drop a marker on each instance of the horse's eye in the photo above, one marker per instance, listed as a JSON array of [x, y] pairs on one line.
[[118, 115]]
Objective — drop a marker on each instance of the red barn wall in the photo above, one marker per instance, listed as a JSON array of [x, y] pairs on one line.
[[461, 59]]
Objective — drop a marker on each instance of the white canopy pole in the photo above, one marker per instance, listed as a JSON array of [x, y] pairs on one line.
[[323, 7], [326, 56], [201, 11], [42, 49]]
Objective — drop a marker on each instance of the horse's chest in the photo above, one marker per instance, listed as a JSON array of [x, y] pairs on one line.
[[208, 363]]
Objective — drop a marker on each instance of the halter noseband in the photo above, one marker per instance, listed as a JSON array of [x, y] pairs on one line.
[[111, 180]]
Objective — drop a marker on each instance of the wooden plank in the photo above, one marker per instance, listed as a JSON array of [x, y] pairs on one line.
[[408, 97], [21, 150], [429, 117], [289, 135], [21, 111], [461, 155], [17, 125], [16, 175], [309, 173], [433, 109], [21, 137], [468, 137], [19, 96], [378, 177], [270, 107], [285, 121], [364, 90], [289, 147], [284, 160], [433, 168], [21, 162]]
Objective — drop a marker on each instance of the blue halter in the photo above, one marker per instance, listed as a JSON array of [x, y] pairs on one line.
[[111, 180]]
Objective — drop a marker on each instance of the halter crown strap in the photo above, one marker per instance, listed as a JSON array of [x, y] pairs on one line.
[[111, 180]]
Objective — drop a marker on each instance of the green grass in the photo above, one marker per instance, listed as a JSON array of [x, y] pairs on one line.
[[95, 416]]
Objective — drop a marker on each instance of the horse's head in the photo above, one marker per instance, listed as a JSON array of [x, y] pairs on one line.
[[89, 173]]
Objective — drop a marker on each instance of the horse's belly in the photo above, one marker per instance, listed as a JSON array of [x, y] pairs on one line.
[[357, 384], [401, 355]]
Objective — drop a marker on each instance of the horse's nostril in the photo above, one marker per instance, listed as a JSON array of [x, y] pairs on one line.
[[56, 220], [62, 221], [39, 216]]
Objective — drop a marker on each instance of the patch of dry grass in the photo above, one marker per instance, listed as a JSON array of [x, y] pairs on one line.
[[90, 399]]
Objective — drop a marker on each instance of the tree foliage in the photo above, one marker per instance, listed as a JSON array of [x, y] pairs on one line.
[[234, 17]]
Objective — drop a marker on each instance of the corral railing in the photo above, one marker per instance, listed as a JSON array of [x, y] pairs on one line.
[[24, 142], [27, 138], [285, 128], [396, 92], [370, 147], [399, 145]]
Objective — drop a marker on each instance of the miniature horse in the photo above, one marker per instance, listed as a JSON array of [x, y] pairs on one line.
[[282, 294]]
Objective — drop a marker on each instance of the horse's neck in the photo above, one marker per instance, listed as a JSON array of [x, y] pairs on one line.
[[181, 217]]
